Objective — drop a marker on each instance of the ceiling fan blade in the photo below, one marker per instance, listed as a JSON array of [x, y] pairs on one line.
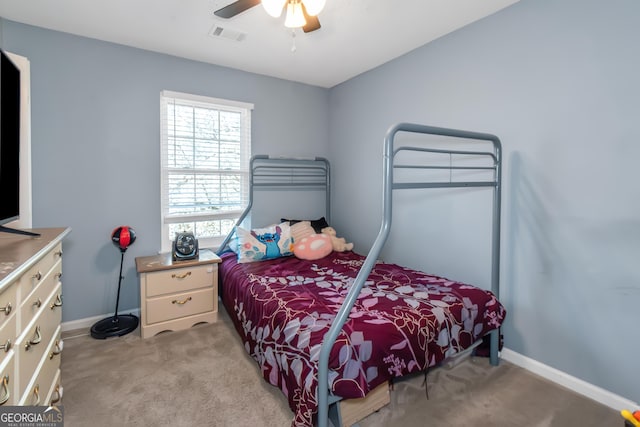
[[312, 21], [231, 10]]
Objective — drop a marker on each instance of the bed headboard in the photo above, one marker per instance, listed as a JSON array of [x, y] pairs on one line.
[[269, 173]]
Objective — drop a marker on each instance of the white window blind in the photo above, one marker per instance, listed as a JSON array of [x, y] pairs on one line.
[[205, 149]]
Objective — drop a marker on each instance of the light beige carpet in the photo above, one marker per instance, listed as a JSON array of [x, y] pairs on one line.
[[203, 377]]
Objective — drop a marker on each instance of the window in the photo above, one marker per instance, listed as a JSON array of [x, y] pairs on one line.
[[205, 149]]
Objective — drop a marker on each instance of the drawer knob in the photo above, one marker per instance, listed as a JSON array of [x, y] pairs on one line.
[[58, 395], [6, 393], [58, 276], [56, 303], [37, 337], [58, 253], [6, 346], [181, 276], [36, 395], [38, 276], [184, 301], [57, 349], [7, 308], [38, 303]]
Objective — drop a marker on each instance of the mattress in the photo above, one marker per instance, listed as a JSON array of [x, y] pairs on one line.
[[403, 322]]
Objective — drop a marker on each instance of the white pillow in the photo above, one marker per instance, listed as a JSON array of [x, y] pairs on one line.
[[260, 244]]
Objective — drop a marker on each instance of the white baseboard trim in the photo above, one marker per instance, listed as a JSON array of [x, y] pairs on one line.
[[86, 323], [584, 388]]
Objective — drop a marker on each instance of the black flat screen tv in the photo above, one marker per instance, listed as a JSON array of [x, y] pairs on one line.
[[9, 142]]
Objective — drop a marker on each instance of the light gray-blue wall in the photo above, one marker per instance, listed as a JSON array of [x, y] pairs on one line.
[[95, 111], [558, 82]]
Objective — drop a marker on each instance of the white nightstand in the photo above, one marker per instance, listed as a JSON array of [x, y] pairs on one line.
[[176, 295]]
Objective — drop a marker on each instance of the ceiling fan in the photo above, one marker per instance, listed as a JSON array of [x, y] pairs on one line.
[[300, 13]]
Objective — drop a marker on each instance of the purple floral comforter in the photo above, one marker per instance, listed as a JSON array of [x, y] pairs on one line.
[[403, 321]]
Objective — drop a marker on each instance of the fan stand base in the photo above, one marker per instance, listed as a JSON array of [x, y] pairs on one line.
[[114, 326]]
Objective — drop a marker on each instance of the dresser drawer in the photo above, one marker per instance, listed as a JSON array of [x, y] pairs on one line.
[[7, 381], [32, 344], [180, 305], [34, 276], [180, 279], [8, 304], [32, 303], [39, 388]]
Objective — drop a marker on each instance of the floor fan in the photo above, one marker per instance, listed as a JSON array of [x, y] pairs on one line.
[[119, 324]]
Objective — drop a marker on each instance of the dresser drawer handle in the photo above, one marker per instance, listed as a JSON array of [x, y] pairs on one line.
[[57, 350], [7, 309], [58, 276], [38, 303], [6, 346], [37, 337], [38, 276], [58, 393], [6, 393], [181, 276], [175, 301], [36, 395], [56, 303], [58, 253]]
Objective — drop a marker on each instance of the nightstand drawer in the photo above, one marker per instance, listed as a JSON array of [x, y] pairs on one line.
[[180, 279], [180, 305]]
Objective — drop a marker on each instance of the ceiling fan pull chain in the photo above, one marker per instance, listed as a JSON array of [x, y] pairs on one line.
[[293, 40]]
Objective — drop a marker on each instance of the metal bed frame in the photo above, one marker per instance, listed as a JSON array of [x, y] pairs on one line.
[[298, 173], [388, 186]]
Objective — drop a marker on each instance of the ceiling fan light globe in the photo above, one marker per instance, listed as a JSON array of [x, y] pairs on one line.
[[314, 7], [273, 7], [295, 16]]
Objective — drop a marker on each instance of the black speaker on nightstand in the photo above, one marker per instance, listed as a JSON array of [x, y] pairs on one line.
[[119, 324]]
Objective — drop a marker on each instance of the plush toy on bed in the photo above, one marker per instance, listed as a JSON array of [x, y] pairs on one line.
[[300, 230], [307, 244], [339, 244]]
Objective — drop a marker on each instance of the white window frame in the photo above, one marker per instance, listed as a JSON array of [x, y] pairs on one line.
[[167, 97]]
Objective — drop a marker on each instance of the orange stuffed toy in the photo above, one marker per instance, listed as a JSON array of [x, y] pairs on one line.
[[307, 244]]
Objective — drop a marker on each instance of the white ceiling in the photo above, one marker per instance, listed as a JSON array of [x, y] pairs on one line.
[[356, 35]]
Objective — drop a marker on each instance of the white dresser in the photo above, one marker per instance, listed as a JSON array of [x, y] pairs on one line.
[[30, 317]]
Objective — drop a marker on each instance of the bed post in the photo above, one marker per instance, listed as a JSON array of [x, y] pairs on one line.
[[495, 247]]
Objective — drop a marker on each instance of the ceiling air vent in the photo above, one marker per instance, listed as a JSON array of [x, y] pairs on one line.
[[226, 33]]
